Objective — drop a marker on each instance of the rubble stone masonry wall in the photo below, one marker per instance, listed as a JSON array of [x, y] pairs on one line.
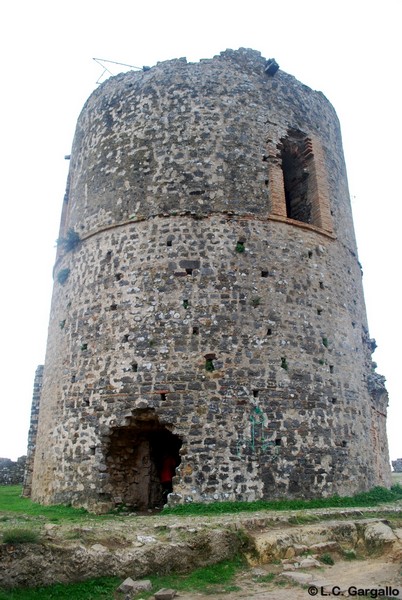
[[213, 305], [12, 472]]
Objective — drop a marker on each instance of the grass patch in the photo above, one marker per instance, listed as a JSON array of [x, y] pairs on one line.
[[374, 497], [214, 579], [94, 589], [19, 535], [327, 559], [11, 502], [349, 555]]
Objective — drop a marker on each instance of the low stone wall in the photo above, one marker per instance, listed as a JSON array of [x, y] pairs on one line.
[[11, 472], [397, 465]]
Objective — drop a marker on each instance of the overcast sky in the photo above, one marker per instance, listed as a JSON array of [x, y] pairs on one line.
[[350, 50]]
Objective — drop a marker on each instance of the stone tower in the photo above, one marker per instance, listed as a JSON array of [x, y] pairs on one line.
[[208, 302]]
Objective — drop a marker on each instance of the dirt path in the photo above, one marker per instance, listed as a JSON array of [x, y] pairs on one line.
[[329, 581]]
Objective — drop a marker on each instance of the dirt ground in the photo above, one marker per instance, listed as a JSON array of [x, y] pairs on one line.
[[338, 580]]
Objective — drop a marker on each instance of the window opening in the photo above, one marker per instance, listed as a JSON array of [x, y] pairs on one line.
[[297, 162], [255, 393], [264, 273], [196, 330]]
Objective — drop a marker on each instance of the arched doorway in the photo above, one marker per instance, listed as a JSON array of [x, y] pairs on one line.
[[135, 460]]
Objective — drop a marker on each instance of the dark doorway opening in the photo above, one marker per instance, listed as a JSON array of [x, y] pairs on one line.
[[136, 459]]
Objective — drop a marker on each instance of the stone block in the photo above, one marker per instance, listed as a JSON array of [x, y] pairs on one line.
[[165, 594], [132, 586]]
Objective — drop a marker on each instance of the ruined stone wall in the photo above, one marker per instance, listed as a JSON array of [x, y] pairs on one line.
[[12, 472], [397, 465], [198, 307], [33, 430]]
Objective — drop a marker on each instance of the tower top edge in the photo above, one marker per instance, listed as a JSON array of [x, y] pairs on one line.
[[244, 59]]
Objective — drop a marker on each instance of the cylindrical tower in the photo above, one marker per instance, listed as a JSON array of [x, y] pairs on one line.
[[208, 303]]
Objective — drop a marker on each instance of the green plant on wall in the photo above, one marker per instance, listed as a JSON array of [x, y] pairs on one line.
[[256, 301], [70, 241], [63, 275], [284, 363], [240, 247], [209, 365]]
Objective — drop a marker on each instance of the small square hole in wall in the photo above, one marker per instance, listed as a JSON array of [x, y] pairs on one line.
[[118, 276], [255, 393], [134, 367], [310, 254], [264, 273], [73, 378], [92, 451], [240, 247], [344, 444], [169, 243], [334, 400], [269, 331], [196, 330], [125, 337], [319, 311], [189, 271], [278, 442], [322, 285], [163, 397], [331, 368], [86, 401], [113, 306]]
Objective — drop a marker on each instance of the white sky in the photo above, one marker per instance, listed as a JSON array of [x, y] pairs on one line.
[[348, 49]]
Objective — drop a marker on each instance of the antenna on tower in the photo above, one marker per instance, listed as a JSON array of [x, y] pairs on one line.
[[101, 62]]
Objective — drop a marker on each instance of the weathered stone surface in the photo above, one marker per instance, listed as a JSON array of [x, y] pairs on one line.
[[309, 563], [397, 465], [135, 586], [207, 298], [376, 535], [12, 472], [165, 594], [42, 564]]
